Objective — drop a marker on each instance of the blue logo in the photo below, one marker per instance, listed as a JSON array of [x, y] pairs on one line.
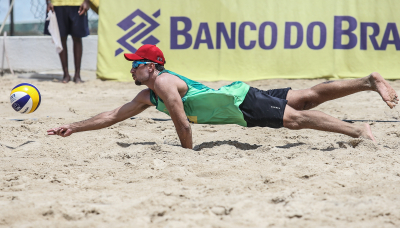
[[16, 106], [136, 33]]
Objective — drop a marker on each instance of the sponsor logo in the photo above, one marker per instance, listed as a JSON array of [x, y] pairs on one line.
[[137, 34], [295, 34], [16, 106], [13, 98], [186, 34], [275, 107]]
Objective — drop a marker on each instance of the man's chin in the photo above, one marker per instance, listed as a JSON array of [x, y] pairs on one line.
[[138, 83]]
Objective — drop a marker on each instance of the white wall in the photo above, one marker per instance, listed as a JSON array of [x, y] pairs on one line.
[[38, 53]]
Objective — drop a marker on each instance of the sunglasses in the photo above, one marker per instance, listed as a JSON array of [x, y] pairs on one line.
[[135, 64]]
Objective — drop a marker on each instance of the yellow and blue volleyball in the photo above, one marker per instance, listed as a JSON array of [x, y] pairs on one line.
[[25, 98]]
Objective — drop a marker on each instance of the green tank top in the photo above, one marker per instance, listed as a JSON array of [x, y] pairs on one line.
[[204, 105]]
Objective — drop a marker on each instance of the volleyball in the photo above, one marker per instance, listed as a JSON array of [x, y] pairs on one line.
[[25, 98]]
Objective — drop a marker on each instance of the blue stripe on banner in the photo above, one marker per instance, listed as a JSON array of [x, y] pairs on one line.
[[19, 104]]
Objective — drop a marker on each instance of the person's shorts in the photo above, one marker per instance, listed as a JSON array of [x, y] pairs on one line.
[[264, 108], [69, 22]]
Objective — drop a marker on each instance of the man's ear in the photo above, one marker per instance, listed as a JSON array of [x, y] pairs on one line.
[[152, 67]]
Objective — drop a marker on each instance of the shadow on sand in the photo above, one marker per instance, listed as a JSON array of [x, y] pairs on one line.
[[239, 145]]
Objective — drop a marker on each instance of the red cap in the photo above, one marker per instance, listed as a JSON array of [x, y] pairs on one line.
[[147, 51]]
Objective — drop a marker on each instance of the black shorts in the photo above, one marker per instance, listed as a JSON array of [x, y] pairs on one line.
[[264, 108], [69, 22]]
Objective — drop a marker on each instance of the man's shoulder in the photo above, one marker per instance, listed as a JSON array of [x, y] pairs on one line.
[[167, 78], [167, 82]]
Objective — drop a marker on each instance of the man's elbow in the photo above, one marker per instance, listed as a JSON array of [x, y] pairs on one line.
[[110, 118], [185, 127], [184, 131], [185, 136]]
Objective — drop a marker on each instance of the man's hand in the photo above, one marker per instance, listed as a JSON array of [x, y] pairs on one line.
[[83, 8], [63, 131], [106, 119], [49, 7]]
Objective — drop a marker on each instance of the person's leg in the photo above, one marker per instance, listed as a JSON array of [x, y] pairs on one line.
[[310, 119], [314, 96], [77, 58], [64, 60], [79, 29]]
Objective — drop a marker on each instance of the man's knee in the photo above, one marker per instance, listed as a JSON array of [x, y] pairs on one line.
[[304, 99], [292, 119], [77, 39], [311, 99]]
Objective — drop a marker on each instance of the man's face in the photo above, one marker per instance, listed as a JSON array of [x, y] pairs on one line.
[[140, 72]]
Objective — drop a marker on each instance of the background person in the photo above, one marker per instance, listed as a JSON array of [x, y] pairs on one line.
[[72, 20]]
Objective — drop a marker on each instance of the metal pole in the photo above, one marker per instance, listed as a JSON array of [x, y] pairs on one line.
[[11, 20]]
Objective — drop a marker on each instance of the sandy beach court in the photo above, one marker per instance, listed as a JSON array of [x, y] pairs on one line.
[[135, 174]]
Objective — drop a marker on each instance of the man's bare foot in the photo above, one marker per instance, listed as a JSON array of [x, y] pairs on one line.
[[380, 85], [66, 79], [77, 79], [367, 132]]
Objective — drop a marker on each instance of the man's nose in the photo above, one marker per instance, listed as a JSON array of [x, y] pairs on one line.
[[132, 70]]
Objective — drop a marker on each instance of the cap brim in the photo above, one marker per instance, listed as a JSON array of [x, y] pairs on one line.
[[132, 57]]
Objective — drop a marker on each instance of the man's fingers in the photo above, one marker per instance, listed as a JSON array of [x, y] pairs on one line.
[[83, 8], [51, 132], [66, 132], [63, 132], [80, 11], [50, 7]]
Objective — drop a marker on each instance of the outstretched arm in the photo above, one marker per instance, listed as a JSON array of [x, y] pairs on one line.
[[168, 91], [106, 119]]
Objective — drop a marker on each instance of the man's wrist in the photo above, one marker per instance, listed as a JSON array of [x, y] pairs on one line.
[[73, 128]]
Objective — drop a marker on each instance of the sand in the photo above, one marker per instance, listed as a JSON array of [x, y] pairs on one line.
[[135, 174]]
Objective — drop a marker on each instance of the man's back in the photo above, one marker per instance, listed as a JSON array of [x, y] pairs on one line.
[[208, 106]]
